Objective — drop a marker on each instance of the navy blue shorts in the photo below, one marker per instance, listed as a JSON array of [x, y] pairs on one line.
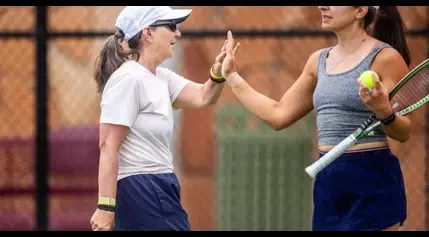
[[360, 191], [150, 202]]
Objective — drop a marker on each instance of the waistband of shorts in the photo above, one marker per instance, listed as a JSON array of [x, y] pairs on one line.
[[385, 148], [382, 154]]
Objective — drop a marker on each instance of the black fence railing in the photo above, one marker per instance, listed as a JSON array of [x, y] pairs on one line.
[[199, 33], [42, 155]]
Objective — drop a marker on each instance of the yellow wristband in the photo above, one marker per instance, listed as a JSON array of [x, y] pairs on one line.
[[215, 76], [106, 201]]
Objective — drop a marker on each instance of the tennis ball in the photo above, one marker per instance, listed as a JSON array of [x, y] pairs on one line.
[[368, 78]]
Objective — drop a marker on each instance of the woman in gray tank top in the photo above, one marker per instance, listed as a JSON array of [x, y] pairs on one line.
[[364, 188]]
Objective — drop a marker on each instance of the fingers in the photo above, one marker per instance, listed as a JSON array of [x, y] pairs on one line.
[[92, 222], [230, 37], [365, 93], [224, 46], [378, 85], [231, 47], [377, 82], [100, 222], [361, 91], [378, 90], [363, 87], [221, 56], [236, 48], [230, 43], [96, 227]]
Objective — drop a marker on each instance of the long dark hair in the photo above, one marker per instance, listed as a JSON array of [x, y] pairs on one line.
[[112, 55], [389, 28]]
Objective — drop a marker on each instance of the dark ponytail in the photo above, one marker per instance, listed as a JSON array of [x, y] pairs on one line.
[[112, 55], [389, 28]]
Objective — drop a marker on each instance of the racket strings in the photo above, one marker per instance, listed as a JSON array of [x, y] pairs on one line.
[[412, 91]]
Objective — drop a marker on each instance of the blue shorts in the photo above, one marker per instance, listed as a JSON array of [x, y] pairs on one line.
[[150, 202], [360, 191]]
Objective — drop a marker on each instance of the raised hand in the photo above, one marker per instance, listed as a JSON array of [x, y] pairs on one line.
[[228, 65]]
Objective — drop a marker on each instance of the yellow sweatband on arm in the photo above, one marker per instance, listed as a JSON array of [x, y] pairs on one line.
[[106, 201]]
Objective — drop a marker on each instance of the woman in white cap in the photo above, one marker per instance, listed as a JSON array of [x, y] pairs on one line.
[[137, 187], [363, 190]]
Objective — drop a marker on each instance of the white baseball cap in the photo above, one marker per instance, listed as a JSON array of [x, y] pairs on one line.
[[133, 19]]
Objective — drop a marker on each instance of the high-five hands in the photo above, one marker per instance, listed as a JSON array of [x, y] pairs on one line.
[[228, 65]]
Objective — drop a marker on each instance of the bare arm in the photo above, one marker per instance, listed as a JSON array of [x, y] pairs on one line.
[[390, 68], [295, 103], [388, 59], [196, 95], [120, 106], [111, 137]]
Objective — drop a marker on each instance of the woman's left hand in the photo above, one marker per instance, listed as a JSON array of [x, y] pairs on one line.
[[376, 99]]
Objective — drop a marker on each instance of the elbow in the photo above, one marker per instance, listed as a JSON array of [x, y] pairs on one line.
[[101, 146], [404, 138], [404, 135], [107, 149], [278, 126], [276, 122], [206, 102]]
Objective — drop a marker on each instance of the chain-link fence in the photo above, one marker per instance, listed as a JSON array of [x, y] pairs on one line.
[[236, 173]]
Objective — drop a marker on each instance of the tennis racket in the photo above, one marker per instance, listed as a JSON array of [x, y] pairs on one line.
[[409, 94]]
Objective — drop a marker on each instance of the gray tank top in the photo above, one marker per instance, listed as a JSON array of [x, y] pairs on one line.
[[336, 100]]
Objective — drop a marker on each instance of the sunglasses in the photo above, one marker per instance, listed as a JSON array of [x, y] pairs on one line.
[[171, 24]]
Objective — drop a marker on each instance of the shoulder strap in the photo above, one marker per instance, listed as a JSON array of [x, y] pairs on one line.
[[322, 58], [371, 56]]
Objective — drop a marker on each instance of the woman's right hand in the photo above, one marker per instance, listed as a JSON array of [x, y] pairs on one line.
[[102, 220], [228, 65]]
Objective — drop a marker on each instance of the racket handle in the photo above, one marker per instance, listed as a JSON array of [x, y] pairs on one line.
[[333, 154]]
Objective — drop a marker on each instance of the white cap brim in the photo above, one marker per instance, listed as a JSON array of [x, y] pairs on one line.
[[178, 15]]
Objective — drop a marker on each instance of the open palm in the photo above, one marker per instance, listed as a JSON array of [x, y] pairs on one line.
[[228, 65]]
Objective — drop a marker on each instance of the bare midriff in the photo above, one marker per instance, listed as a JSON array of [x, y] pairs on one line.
[[363, 146]]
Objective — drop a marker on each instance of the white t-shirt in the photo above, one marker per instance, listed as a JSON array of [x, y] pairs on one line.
[[135, 97]]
